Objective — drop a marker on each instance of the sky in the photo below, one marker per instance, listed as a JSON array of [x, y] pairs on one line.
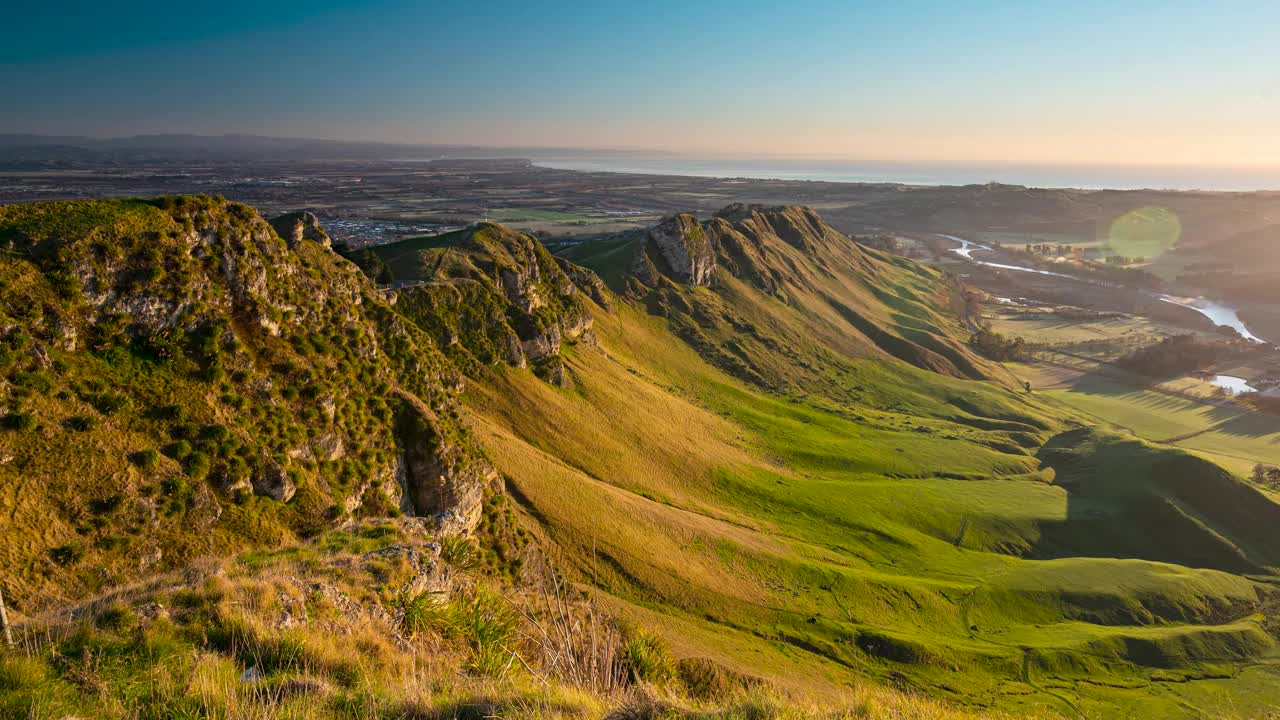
[[1089, 83]]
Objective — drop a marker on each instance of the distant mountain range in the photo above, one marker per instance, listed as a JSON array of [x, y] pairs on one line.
[[239, 147]]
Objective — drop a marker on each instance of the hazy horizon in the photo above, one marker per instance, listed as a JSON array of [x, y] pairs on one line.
[[993, 83]]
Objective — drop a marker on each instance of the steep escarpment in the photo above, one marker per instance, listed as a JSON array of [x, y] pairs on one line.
[[732, 455], [777, 296], [677, 247], [489, 294], [176, 378]]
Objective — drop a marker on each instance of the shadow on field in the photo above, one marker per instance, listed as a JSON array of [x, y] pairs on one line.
[[1223, 418], [1127, 499]]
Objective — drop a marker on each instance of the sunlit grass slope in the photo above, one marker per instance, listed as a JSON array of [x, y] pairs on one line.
[[883, 521]]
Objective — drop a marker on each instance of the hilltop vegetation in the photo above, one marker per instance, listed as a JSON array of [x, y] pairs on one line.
[[754, 456], [179, 380]]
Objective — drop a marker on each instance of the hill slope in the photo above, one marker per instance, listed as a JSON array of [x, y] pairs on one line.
[[761, 441], [179, 380]]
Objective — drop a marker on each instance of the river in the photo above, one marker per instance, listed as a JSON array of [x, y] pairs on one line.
[[1232, 384], [1219, 312]]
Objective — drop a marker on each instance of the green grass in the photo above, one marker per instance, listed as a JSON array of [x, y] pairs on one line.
[[303, 633], [1235, 436], [776, 519], [748, 472], [506, 215]]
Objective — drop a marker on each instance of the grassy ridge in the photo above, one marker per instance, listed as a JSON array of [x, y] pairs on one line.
[[768, 517], [750, 470]]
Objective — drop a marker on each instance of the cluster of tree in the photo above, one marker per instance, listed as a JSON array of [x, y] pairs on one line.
[[1262, 403], [1124, 260], [1172, 356], [887, 243], [995, 346], [1052, 250], [1133, 277], [1268, 475]]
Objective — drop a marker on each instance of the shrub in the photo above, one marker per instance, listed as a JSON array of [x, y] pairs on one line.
[[80, 423], [197, 465], [485, 621], [19, 421], [488, 624], [647, 658], [66, 554], [420, 612], [460, 552], [108, 403], [146, 459], [177, 450], [106, 505]]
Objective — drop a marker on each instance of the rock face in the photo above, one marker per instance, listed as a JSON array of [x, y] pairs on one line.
[[684, 246], [790, 254], [491, 294], [295, 227], [444, 478], [260, 362], [274, 482], [586, 281]]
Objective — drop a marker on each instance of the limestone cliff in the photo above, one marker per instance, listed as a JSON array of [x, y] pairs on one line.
[[679, 247], [786, 289], [489, 294], [176, 377]]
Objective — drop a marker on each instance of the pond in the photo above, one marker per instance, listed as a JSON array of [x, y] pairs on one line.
[[1232, 384]]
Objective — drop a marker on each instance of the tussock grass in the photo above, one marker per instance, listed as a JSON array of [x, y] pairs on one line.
[[314, 632]]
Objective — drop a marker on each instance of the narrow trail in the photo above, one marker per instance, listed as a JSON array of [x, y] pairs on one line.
[[1025, 674], [1026, 678]]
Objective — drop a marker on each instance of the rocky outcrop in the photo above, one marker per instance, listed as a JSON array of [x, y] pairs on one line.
[[790, 254], [296, 227], [444, 476], [685, 248], [274, 482], [261, 363], [497, 295], [586, 281]]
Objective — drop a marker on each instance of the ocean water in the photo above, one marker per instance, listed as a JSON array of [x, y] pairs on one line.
[[1090, 178]]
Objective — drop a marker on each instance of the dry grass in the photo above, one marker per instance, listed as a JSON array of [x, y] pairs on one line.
[[308, 635]]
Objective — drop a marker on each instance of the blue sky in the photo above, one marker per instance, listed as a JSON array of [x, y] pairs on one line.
[[1019, 82]]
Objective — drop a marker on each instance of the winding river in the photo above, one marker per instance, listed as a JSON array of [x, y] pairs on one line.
[[1218, 312]]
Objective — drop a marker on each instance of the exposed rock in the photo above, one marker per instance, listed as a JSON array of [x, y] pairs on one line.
[[328, 447], [150, 558], [586, 281], [274, 482], [541, 344], [41, 356], [430, 573], [685, 247], [444, 476], [295, 227], [148, 612], [500, 296]]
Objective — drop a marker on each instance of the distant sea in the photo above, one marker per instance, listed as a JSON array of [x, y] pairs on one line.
[[1088, 178]]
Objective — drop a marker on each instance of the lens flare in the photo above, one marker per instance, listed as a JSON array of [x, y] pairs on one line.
[[1146, 233]]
